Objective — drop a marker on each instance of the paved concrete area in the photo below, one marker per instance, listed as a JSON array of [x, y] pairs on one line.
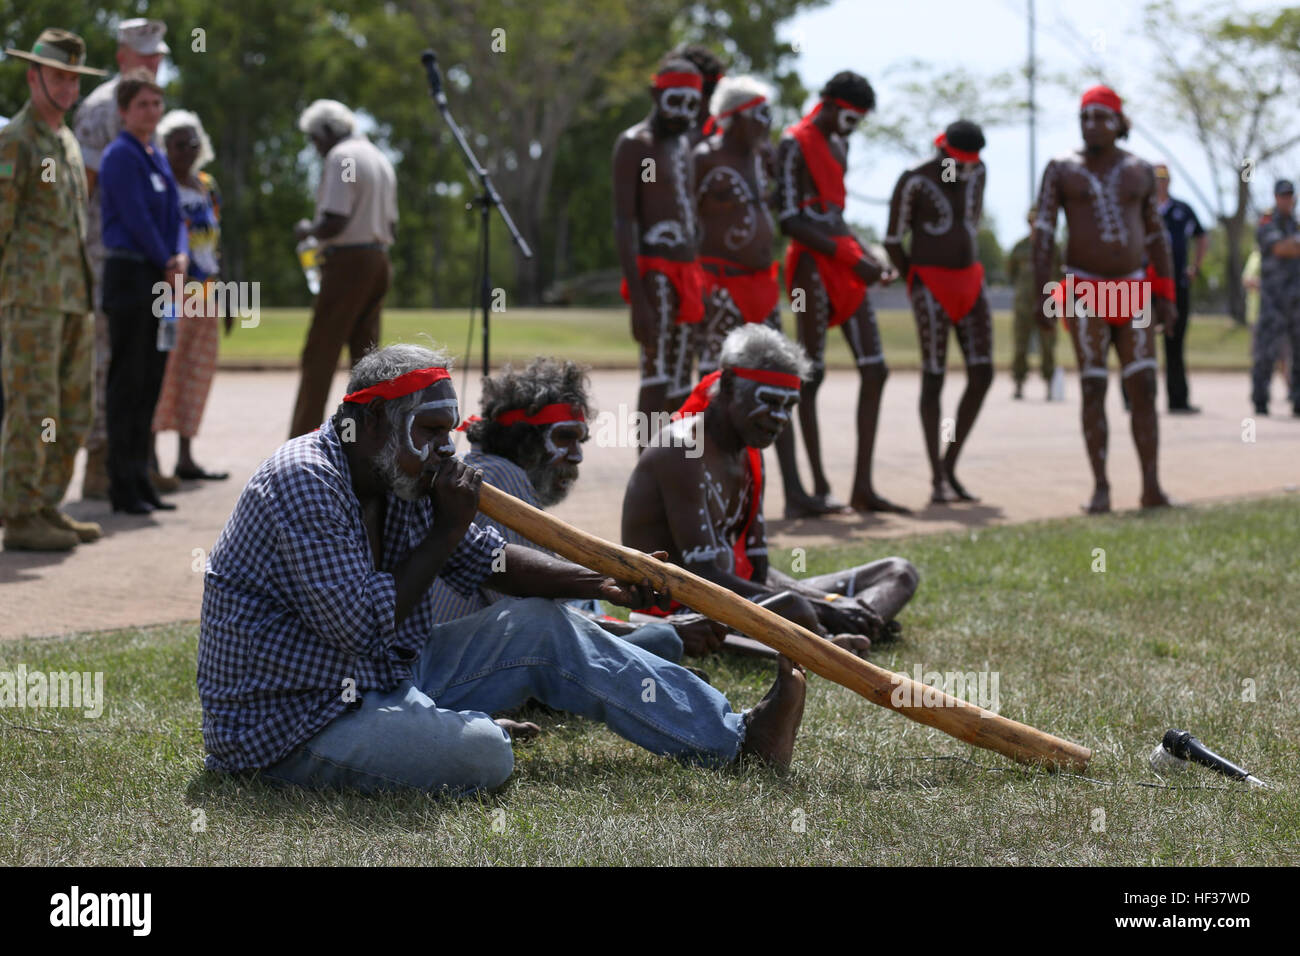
[[1025, 460]]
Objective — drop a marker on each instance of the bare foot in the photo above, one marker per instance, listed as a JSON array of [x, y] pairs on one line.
[[941, 493], [806, 506], [518, 730], [853, 643], [772, 724], [1158, 499], [873, 502], [957, 489], [1100, 503], [892, 631]]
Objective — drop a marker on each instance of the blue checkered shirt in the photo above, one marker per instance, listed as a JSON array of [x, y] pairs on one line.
[[295, 612]]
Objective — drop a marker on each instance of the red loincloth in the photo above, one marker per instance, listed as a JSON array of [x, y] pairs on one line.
[[756, 292], [687, 278], [1161, 286], [956, 289], [844, 287]]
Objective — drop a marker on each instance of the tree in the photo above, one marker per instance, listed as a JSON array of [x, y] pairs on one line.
[[1234, 81]]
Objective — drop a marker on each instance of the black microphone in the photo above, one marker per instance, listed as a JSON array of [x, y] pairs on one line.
[[430, 61], [1186, 747]]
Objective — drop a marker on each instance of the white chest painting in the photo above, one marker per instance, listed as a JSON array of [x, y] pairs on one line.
[[715, 514], [942, 221], [1107, 206], [681, 184], [732, 184]]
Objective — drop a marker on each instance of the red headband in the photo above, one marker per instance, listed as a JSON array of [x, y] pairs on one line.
[[547, 415], [961, 155], [846, 105], [1102, 96], [663, 81], [780, 379], [411, 382], [712, 123]]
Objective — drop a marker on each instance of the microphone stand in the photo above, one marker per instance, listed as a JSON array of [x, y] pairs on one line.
[[487, 199]]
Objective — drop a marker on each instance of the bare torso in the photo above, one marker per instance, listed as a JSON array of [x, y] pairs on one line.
[[942, 216], [664, 193], [795, 189], [1103, 203], [732, 188]]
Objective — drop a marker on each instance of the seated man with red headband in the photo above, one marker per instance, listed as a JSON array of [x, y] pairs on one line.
[[528, 443], [707, 511], [320, 662]]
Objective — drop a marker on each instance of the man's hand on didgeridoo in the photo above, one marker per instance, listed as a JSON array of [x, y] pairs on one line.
[[454, 492], [641, 594]]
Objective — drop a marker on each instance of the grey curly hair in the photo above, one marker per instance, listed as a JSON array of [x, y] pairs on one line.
[[757, 346], [731, 92], [388, 363]]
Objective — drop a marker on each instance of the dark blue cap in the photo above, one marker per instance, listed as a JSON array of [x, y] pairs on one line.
[[1283, 186]]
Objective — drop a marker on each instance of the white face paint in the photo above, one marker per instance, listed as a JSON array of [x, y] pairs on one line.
[[557, 453], [680, 102], [779, 401], [847, 121], [1095, 111], [407, 439], [762, 113]]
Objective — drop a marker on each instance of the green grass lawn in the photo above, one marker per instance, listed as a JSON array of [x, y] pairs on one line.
[[600, 337], [1193, 604]]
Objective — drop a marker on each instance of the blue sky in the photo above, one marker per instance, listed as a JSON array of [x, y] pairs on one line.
[[987, 37]]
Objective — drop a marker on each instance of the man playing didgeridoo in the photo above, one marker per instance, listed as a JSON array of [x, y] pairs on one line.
[[657, 237], [741, 278], [939, 202], [706, 511], [320, 663], [1118, 256], [827, 273]]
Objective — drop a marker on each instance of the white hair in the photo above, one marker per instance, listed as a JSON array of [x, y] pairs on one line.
[[327, 117], [180, 119], [731, 91], [756, 346]]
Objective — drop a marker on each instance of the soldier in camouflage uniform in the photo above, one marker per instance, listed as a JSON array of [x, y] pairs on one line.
[[45, 324], [1279, 296], [139, 46], [1020, 270]]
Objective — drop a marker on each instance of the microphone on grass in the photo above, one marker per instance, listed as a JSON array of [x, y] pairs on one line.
[[1179, 746]]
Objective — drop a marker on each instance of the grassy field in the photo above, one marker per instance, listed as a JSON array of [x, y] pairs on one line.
[[600, 337], [1191, 625]]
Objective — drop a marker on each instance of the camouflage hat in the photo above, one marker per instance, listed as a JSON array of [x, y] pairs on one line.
[[143, 36], [59, 49]]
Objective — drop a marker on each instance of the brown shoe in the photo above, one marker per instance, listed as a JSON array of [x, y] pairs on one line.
[[94, 487], [86, 531], [34, 533], [165, 484]]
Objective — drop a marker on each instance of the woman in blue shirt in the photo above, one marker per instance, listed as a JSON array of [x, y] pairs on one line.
[[147, 251]]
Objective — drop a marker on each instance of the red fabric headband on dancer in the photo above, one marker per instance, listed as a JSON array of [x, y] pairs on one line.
[[407, 384], [961, 155], [699, 397], [546, 415], [663, 81], [1102, 96], [712, 123]]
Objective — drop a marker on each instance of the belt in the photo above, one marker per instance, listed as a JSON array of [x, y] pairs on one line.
[[130, 254]]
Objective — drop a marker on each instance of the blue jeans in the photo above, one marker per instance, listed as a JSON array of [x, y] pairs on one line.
[[495, 660]]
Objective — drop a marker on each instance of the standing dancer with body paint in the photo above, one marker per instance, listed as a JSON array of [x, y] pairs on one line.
[[741, 279], [656, 234], [827, 273], [1118, 251], [711, 71], [939, 201]]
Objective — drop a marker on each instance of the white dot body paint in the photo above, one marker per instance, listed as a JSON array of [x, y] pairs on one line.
[[409, 442]]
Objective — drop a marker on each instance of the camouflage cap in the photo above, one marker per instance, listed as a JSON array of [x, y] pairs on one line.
[[59, 49], [143, 36]]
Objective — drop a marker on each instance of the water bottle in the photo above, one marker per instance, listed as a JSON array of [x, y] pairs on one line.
[[307, 257], [167, 329], [1057, 391]]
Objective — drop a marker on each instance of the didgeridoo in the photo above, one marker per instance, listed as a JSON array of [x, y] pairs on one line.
[[922, 703]]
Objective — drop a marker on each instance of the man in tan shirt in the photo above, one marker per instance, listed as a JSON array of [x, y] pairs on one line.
[[356, 222]]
